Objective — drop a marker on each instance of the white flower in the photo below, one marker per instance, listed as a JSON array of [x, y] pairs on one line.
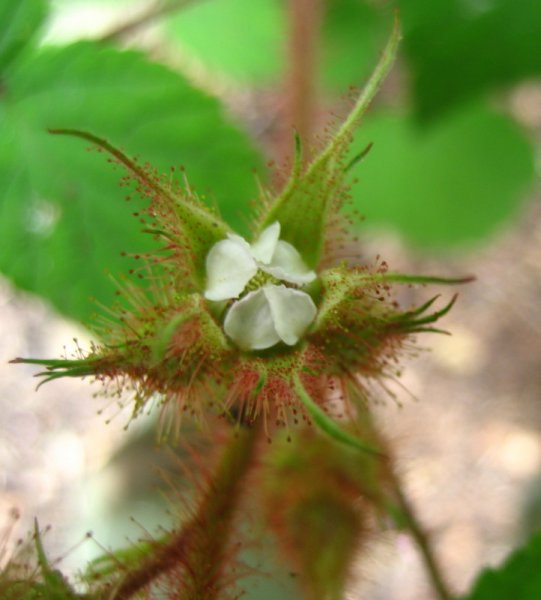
[[272, 313]]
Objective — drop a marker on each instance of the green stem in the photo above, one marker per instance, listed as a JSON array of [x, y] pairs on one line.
[[199, 550], [407, 515], [417, 532]]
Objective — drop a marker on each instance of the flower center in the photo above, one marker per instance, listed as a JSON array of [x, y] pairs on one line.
[[263, 280], [259, 280]]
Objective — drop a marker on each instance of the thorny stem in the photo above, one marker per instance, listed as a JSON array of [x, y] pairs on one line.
[[304, 25], [416, 530], [201, 545]]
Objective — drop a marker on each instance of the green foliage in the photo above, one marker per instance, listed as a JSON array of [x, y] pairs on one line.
[[453, 183], [458, 49], [20, 22], [54, 584], [218, 34], [240, 38], [63, 219], [30, 576], [353, 33], [518, 578]]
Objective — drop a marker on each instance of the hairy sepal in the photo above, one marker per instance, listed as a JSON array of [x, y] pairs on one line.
[[358, 327], [183, 222], [178, 352], [304, 206], [327, 424], [317, 496]]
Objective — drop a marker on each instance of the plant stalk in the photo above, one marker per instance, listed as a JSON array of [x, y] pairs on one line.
[[304, 26], [408, 516], [200, 548], [418, 533]]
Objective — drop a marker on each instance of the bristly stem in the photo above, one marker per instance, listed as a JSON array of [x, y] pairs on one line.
[[199, 550], [416, 530]]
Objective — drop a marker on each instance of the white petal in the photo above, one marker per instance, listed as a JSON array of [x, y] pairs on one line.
[[263, 248], [237, 239], [249, 322], [230, 266], [287, 265], [292, 312]]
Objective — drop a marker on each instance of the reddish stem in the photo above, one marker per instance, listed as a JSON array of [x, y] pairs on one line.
[[200, 549], [304, 25]]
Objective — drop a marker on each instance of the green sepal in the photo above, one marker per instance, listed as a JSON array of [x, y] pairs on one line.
[[413, 321], [418, 279], [342, 287], [184, 222], [327, 424], [54, 586], [28, 574], [59, 368], [311, 194], [164, 333], [195, 308]]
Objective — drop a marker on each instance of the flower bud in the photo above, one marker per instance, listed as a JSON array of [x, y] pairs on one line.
[[317, 496]]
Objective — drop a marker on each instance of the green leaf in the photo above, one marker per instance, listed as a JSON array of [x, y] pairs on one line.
[[63, 218], [353, 33], [244, 40], [461, 48], [453, 183], [19, 23], [518, 578], [240, 38]]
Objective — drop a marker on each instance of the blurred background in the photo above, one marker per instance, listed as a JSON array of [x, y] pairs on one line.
[[450, 187]]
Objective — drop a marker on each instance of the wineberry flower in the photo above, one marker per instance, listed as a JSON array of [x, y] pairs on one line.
[[249, 329], [271, 313]]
